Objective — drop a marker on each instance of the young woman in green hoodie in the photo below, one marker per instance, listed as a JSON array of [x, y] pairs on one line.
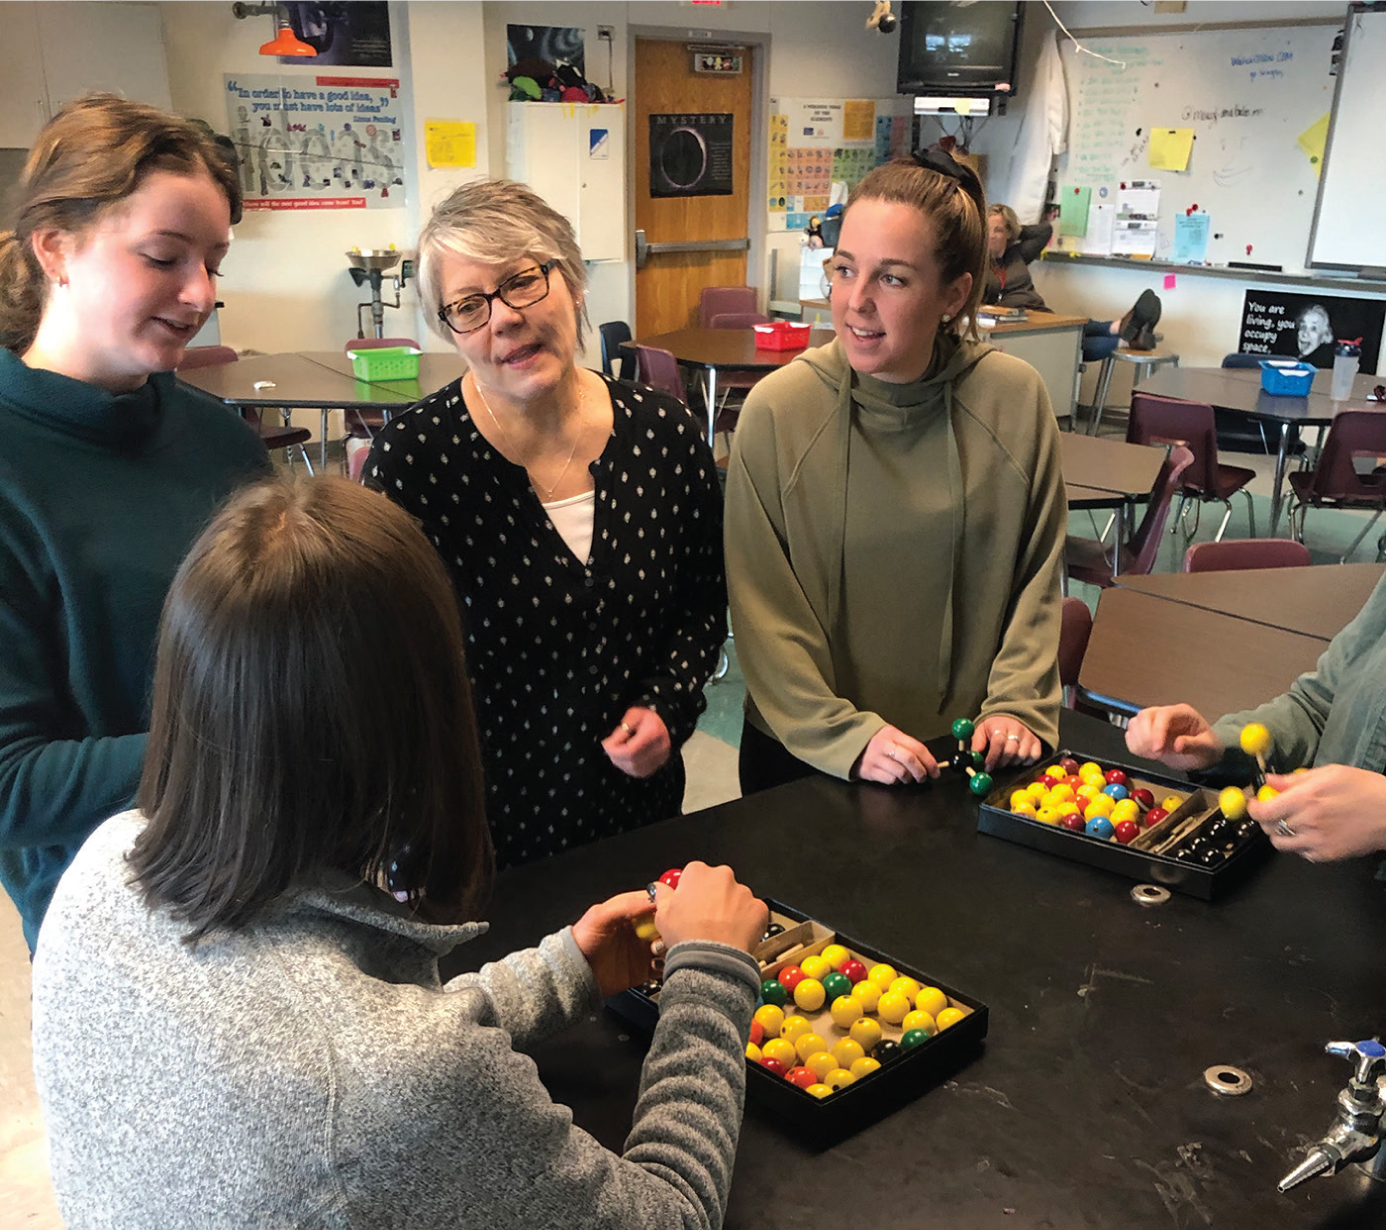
[[895, 511]]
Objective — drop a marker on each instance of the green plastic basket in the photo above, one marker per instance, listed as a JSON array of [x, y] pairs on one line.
[[386, 363]]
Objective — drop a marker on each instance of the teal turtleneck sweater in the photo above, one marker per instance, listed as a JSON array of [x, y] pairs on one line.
[[101, 496]]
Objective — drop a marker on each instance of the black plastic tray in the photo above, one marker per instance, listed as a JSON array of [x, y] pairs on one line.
[[1206, 883], [825, 1121]]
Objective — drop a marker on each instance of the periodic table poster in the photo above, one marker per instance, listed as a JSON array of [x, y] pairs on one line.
[[816, 142]]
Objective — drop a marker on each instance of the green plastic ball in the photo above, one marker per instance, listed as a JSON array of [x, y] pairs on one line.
[[773, 993], [836, 984], [980, 783], [978, 759], [913, 1038], [963, 728]]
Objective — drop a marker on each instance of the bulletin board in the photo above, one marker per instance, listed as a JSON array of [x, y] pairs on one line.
[[1255, 102], [814, 142]]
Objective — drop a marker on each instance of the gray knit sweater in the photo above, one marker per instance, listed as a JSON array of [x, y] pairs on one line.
[[313, 1071]]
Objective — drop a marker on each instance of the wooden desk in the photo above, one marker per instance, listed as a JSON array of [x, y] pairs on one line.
[[1102, 473], [726, 350], [1087, 1105], [287, 382], [1318, 601], [435, 371], [1238, 390], [1145, 650]]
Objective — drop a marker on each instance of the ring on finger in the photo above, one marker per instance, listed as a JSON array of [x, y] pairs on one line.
[[890, 753], [658, 948], [1284, 830]]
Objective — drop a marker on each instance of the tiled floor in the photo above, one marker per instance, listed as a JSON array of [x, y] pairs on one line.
[[26, 1197]]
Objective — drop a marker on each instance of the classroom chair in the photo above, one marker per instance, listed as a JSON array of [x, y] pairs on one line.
[[286, 436], [1073, 644], [718, 299], [616, 363], [660, 370], [1335, 482], [1087, 559], [1169, 420], [738, 320], [1234, 554]]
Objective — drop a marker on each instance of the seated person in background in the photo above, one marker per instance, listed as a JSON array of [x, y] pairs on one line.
[[1011, 247], [236, 1024], [1333, 718], [895, 511], [1314, 336]]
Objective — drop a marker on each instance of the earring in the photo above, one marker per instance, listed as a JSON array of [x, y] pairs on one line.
[[946, 317]]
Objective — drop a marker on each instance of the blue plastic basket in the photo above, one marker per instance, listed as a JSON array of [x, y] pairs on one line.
[[1286, 378]]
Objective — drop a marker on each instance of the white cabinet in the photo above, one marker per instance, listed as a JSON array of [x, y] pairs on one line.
[[51, 53], [573, 155]]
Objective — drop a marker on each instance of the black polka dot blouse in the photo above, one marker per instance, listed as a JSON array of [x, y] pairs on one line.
[[559, 648]]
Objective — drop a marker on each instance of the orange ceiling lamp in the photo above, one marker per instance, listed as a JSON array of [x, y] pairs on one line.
[[285, 42]]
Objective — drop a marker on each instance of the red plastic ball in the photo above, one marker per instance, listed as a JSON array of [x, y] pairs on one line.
[[854, 970], [801, 1076], [671, 877], [772, 1065], [1073, 781], [1115, 777], [1143, 796], [1068, 765], [1154, 816], [757, 1033], [1127, 831], [1082, 804], [1049, 781], [790, 977], [1073, 822]]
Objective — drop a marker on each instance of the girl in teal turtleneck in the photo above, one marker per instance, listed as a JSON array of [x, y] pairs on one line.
[[895, 512], [110, 468]]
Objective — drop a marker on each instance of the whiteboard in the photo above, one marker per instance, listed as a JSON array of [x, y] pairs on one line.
[[1354, 172], [1248, 94]]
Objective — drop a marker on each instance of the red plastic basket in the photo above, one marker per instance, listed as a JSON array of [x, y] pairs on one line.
[[782, 335]]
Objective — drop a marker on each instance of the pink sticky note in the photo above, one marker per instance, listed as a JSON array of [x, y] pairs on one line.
[[1169, 281]]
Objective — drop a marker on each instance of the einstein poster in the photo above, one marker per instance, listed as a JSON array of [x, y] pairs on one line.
[[317, 142], [1307, 326]]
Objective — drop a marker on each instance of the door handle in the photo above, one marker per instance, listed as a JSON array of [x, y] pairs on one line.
[[645, 249]]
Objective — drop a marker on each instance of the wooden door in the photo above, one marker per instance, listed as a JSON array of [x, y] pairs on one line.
[[667, 288]]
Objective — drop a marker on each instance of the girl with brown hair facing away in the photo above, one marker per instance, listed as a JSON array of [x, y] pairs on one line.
[[238, 1014], [122, 218]]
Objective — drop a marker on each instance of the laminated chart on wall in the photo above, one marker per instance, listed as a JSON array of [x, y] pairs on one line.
[[1074, 204], [318, 142], [778, 170], [1191, 238]]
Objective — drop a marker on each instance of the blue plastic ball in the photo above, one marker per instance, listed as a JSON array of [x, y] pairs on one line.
[[1116, 792], [1101, 827]]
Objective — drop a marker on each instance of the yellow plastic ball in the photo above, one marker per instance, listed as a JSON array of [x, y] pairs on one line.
[[809, 994], [836, 955], [1018, 797], [1125, 809], [882, 975], [779, 1049], [893, 1007], [838, 1078], [809, 1044], [1049, 815], [1062, 793], [820, 1063], [847, 1052], [1090, 768], [866, 1033], [845, 1011], [1172, 802], [864, 1067], [867, 994], [906, 986], [1301, 769], [1233, 803], [771, 1019], [753, 1052], [919, 1020], [1056, 771], [1266, 793], [949, 1016], [1025, 809], [794, 1028], [1255, 739], [1037, 791], [931, 1000], [1100, 806], [815, 967], [819, 1091]]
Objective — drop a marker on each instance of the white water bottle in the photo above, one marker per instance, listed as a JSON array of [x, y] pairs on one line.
[[1346, 356]]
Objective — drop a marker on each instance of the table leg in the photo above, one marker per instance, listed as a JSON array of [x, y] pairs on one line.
[[1119, 526], [1278, 482], [322, 449], [710, 392]]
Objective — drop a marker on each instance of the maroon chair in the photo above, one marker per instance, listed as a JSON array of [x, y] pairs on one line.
[[660, 370], [738, 320], [1087, 559], [1169, 420], [718, 299], [1234, 554], [1073, 644], [285, 436], [363, 424], [1335, 481]]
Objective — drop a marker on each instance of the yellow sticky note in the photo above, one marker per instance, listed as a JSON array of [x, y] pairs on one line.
[[1170, 148], [1312, 141], [963, 106], [858, 119], [450, 143]]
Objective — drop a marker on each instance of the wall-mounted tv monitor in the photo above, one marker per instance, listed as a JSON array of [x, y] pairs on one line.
[[966, 49]]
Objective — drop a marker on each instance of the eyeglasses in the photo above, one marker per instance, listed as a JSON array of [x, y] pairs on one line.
[[523, 290]]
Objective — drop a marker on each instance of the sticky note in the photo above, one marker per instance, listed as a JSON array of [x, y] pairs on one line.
[[1312, 140], [1170, 148], [1073, 211], [1169, 281], [450, 143]]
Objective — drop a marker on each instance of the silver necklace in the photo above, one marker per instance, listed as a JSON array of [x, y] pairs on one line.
[[548, 491]]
